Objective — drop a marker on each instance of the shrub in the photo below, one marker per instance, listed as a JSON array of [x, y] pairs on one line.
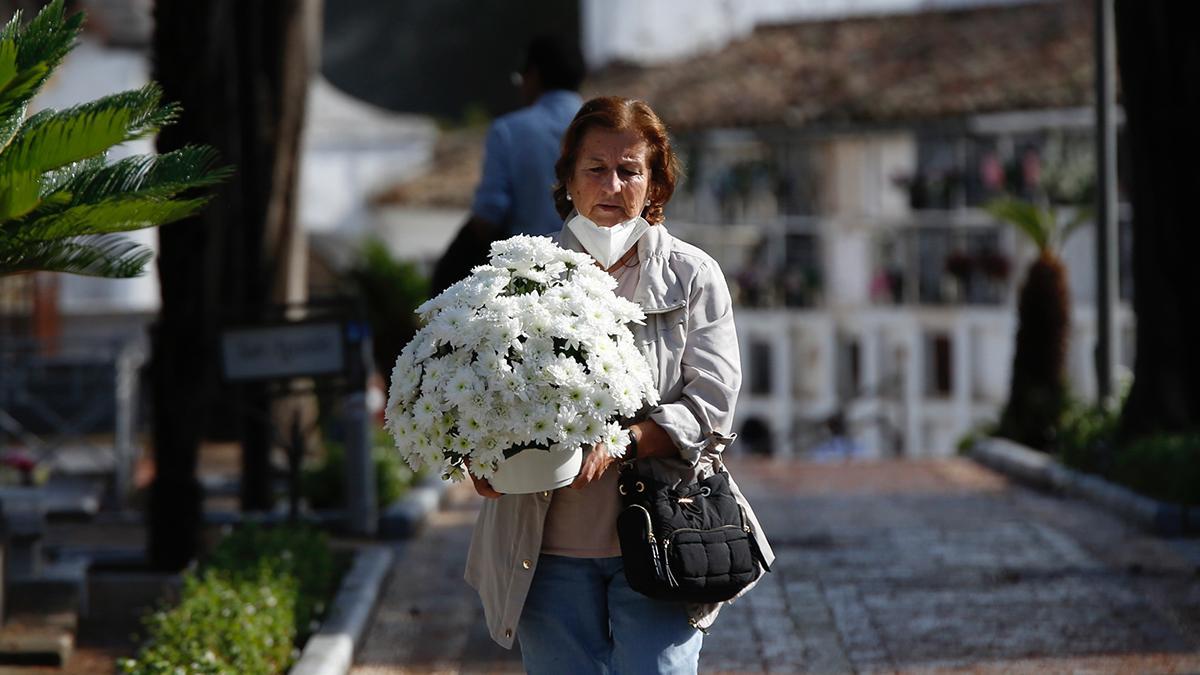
[[391, 291], [295, 552], [222, 625], [1086, 435], [1163, 466], [246, 609], [325, 485]]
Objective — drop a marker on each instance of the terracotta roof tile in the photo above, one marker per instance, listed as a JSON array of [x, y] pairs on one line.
[[876, 69], [893, 69]]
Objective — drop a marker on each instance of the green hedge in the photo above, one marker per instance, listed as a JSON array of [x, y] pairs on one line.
[[324, 486], [246, 610], [1085, 435], [1163, 466]]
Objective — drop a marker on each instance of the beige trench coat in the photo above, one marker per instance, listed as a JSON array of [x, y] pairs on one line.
[[689, 335]]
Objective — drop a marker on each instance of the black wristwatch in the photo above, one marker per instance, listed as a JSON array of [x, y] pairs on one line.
[[631, 449]]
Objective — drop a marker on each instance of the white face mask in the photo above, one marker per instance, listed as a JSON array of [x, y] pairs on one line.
[[607, 244]]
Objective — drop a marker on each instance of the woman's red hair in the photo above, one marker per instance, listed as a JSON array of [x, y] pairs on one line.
[[621, 114]]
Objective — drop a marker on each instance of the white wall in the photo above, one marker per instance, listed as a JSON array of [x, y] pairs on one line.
[[417, 234], [351, 150], [859, 172], [857, 188], [847, 264], [894, 373], [653, 31]]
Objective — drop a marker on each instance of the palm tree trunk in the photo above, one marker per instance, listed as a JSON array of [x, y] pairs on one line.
[[1159, 60], [1038, 390], [239, 69]]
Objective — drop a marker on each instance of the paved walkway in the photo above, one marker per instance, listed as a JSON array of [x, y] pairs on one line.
[[912, 567]]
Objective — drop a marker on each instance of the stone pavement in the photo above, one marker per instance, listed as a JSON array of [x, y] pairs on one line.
[[931, 566]]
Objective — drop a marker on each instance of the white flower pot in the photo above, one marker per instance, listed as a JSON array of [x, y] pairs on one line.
[[536, 470]]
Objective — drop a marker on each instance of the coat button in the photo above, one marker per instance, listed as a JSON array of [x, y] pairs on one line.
[[508, 633], [526, 564]]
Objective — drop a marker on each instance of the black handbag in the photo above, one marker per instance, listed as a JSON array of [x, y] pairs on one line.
[[687, 543]]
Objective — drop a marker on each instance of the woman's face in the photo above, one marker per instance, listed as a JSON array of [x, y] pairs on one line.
[[611, 177]]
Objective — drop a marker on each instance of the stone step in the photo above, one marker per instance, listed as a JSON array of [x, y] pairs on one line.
[[120, 594], [31, 641], [57, 587]]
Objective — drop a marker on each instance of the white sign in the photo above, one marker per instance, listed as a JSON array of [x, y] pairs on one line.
[[282, 351]]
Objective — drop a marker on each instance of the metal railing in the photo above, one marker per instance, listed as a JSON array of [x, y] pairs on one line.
[[73, 406]]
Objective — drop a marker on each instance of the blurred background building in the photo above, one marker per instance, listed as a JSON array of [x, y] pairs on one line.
[[837, 155], [837, 168], [837, 159]]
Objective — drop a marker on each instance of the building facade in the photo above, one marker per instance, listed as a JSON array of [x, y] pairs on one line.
[[838, 170]]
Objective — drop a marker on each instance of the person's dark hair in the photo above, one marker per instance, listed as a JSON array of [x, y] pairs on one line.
[[559, 63], [621, 114]]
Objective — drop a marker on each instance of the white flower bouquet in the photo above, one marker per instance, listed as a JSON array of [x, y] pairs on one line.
[[530, 353]]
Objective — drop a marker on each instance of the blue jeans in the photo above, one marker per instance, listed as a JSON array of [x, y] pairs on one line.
[[581, 616]]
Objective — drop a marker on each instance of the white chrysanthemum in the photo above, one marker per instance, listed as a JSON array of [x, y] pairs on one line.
[[462, 387], [592, 427], [615, 440], [567, 373], [531, 349], [599, 402], [426, 410], [542, 426]]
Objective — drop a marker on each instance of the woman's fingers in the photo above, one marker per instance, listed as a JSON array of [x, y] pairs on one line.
[[484, 487], [594, 464]]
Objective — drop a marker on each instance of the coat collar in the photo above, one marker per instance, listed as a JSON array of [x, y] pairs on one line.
[[658, 288]]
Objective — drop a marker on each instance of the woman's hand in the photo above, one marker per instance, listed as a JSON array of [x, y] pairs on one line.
[[595, 463], [483, 486]]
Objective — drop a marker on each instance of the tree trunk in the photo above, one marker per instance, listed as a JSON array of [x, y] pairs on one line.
[[1159, 61], [1038, 389], [239, 69]]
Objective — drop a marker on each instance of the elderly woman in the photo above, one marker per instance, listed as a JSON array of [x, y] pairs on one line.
[[547, 566]]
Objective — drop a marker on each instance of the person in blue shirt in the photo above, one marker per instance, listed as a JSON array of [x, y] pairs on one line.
[[516, 191]]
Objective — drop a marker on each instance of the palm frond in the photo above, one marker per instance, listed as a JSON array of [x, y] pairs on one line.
[[119, 214], [148, 122], [160, 176], [1035, 222], [13, 26], [100, 256], [52, 181], [8, 62], [14, 98], [48, 37], [50, 139], [40, 47], [60, 202], [19, 194]]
